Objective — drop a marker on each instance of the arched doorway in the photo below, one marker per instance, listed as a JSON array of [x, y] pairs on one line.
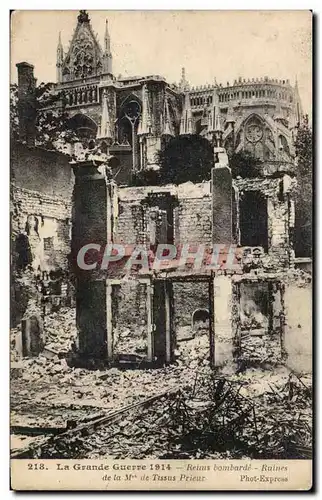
[[200, 320]]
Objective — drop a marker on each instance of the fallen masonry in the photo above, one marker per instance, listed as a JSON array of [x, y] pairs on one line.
[[209, 418], [256, 412]]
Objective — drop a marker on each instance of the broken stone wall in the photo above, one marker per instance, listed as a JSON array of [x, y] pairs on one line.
[[40, 209], [298, 323], [46, 221], [40, 238], [192, 216], [280, 219], [192, 224], [40, 170], [129, 318]]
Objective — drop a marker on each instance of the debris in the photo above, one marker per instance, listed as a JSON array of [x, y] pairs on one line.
[[254, 414]]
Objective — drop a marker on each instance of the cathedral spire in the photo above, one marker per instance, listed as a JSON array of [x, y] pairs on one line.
[[59, 45], [105, 129], [59, 59], [107, 56], [83, 17], [186, 124], [107, 40], [84, 58], [214, 112], [183, 84], [145, 124], [214, 127], [298, 104]]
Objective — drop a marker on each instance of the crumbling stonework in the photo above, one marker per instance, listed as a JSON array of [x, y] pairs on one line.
[[279, 216], [41, 213], [298, 323], [192, 215], [42, 217]]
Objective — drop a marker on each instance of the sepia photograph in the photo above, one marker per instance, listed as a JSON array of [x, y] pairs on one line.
[[161, 249]]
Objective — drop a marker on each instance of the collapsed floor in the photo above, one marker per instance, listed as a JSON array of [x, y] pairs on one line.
[[66, 412]]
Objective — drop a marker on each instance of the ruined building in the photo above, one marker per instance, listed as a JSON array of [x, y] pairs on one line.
[[255, 302], [41, 185]]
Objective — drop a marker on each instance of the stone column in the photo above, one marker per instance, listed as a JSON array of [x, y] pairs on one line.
[[92, 224], [222, 205], [223, 323]]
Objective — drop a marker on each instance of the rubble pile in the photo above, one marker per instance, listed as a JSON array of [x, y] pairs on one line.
[[129, 342], [193, 352], [60, 329], [55, 381], [209, 418], [256, 413], [281, 412], [259, 350], [284, 420]]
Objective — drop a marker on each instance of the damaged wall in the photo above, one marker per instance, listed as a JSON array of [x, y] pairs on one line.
[[40, 170], [298, 323], [46, 221], [188, 297], [41, 197], [40, 211], [192, 224], [192, 216], [280, 216], [129, 308]]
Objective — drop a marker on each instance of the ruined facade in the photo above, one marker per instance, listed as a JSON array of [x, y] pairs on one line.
[[246, 307]]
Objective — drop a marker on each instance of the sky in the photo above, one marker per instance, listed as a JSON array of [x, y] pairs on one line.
[[209, 44]]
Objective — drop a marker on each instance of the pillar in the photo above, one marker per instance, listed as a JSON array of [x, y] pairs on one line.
[[298, 341], [223, 321], [212, 321], [92, 224], [222, 205]]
